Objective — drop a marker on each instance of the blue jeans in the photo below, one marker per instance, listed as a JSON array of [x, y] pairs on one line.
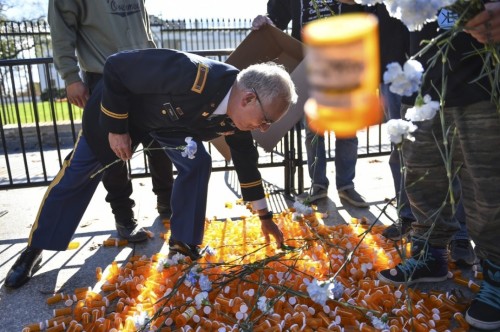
[[461, 234], [346, 156]]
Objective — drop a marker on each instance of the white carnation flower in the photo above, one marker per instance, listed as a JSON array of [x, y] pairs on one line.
[[424, 109], [140, 319], [368, 2], [380, 323], [415, 13], [302, 208], [263, 305], [175, 259], [320, 292], [200, 298], [190, 149], [205, 283], [399, 129], [405, 80]]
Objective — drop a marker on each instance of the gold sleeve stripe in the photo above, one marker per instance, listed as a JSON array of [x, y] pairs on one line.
[[201, 78], [113, 115], [251, 184]]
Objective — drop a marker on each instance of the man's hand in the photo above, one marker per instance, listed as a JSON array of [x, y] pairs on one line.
[[121, 144], [77, 94], [270, 228], [485, 26], [261, 20]]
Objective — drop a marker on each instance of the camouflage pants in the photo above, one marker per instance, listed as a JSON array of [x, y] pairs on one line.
[[473, 134]]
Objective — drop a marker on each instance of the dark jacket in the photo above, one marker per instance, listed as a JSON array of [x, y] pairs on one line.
[[460, 69], [394, 37], [301, 12], [170, 93]]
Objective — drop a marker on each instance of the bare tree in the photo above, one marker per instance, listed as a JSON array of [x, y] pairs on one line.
[[22, 34], [26, 10]]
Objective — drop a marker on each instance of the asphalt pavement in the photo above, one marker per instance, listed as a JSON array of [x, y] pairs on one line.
[[66, 270]]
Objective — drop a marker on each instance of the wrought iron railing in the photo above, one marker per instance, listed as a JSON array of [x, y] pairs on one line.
[[38, 127]]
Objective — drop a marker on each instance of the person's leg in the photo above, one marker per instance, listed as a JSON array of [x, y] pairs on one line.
[[460, 247], [479, 131], [427, 187], [189, 194], [402, 226], [117, 182], [392, 110], [60, 212], [316, 164], [66, 199], [427, 184], [346, 157], [162, 177]]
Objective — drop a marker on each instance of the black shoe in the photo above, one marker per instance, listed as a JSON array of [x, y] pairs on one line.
[[398, 230], [484, 311], [188, 250], [131, 232], [427, 264], [164, 210], [316, 193], [351, 196], [461, 252], [24, 267]]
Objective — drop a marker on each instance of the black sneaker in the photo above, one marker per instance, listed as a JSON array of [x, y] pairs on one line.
[[427, 264], [188, 250], [461, 252], [352, 197], [131, 231], [398, 230], [484, 311]]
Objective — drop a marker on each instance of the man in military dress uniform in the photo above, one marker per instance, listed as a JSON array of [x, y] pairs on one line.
[[168, 95]]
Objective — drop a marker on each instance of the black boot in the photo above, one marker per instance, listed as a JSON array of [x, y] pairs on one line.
[[24, 267], [130, 230], [188, 250]]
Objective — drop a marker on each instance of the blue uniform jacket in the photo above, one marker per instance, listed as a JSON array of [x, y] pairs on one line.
[[171, 93]]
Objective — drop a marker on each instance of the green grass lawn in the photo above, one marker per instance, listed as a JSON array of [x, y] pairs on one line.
[[46, 113]]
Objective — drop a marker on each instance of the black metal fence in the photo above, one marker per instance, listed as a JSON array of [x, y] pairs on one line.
[[38, 127], [31, 39]]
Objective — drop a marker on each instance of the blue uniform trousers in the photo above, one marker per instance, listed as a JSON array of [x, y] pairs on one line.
[[66, 199], [190, 190], [69, 194]]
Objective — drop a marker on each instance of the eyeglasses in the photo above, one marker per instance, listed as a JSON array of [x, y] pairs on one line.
[[266, 120]]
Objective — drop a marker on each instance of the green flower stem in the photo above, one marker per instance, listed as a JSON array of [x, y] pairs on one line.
[[182, 147]]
